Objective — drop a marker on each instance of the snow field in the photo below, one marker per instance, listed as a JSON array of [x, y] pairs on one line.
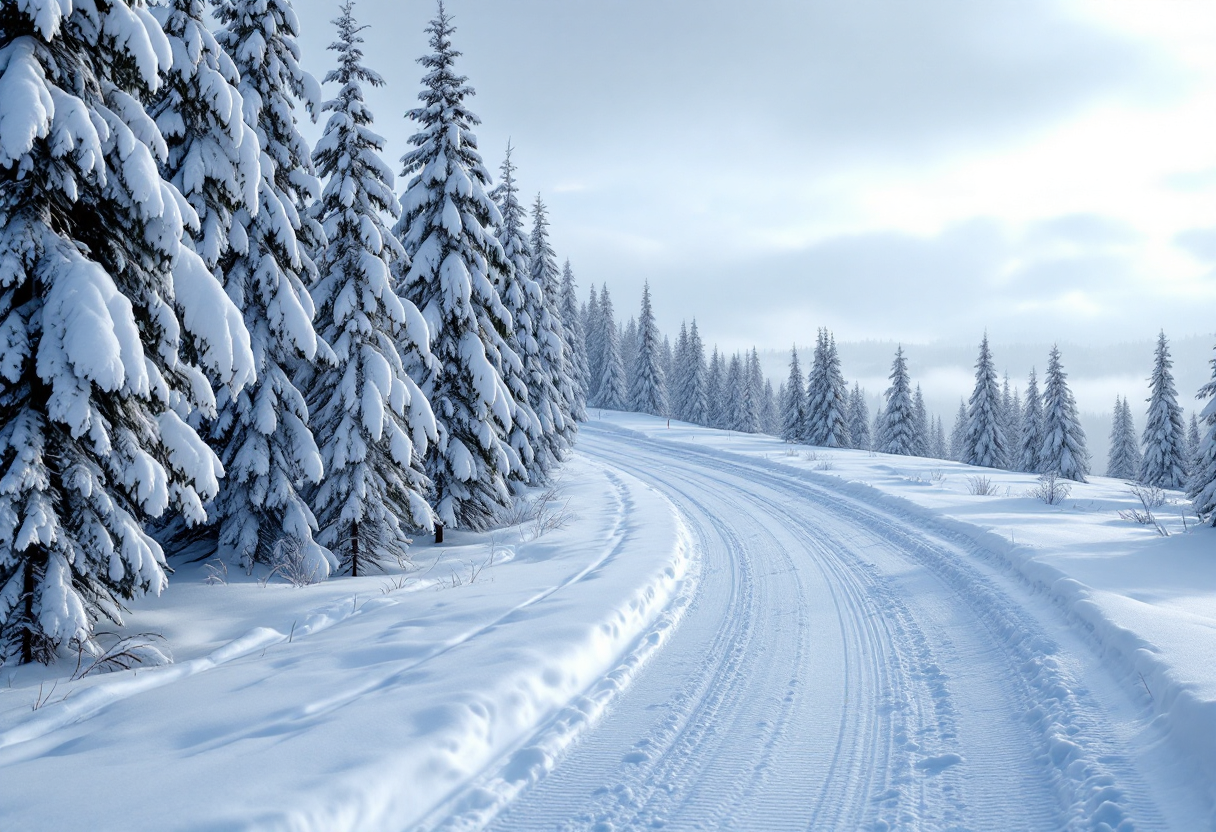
[[378, 706], [1144, 603]]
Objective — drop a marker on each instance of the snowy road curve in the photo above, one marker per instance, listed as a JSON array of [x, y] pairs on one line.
[[839, 668]]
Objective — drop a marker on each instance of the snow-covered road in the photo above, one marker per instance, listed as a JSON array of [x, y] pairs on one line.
[[841, 669]]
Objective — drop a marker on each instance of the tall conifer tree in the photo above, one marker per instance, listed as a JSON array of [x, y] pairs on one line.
[[576, 349], [986, 444], [551, 333], [1202, 488], [611, 393], [647, 384], [793, 406], [445, 227], [859, 419], [97, 293], [1124, 461], [1030, 438], [1063, 450], [898, 429], [1165, 459]]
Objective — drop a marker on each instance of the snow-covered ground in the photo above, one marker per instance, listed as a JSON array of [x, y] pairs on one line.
[[727, 632]]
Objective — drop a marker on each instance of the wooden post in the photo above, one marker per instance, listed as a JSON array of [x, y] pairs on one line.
[[438, 532]]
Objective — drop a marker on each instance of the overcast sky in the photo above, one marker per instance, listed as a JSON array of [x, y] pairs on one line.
[[916, 171]]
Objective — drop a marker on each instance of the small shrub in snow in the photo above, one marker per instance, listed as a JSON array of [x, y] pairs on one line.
[[1051, 489], [1150, 497], [298, 565], [937, 477], [825, 464], [980, 486], [124, 654], [217, 572]]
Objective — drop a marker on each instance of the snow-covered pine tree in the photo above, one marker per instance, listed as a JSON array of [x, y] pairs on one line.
[[938, 449], [986, 444], [752, 411], [264, 434], [576, 349], [1009, 419], [898, 430], [920, 423], [793, 404], [1202, 487], [878, 427], [595, 346], [859, 419], [551, 333], [1030, 436], [770, 416], [376, 421], [1165, 458], [1063, 450], [958, 435], [611, 393], [1193, 443], [1124, 462], [816, 381], [647, 384], [677, 380], [97, 294], [694, 377], [734, 388], [533, 421], [445, 227], [716, 393], [629, 348], [826, 397], [838, 412], [667, 360]]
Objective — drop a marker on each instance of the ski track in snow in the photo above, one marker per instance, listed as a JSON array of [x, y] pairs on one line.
[[838, 669]]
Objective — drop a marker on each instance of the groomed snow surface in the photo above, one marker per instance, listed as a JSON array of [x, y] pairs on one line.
[[721, 631]]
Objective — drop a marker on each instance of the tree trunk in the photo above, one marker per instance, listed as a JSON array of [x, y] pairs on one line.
[[354, 550], [438, 532]]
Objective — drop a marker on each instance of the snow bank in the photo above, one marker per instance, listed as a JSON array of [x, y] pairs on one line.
[[358, 704]]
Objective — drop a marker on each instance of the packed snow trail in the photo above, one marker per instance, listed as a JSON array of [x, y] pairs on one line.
[[840, 669]]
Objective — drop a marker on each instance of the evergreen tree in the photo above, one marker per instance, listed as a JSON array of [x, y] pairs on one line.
[[986, 444], [1009, 418], [752, 411], [647, 384], [1030, 443], [552, 335], [920, 423], [629, 348], [676, 380], [826, 397], [1202, 488], [1193, 444], [938, 449], [878, 428], [611, 393], [770, 416], [859, 419], [576, 349], [793, 404], [595, 345], [733, 388], [264, 435], [667, 361], [445, 227], [1124, 463], [898, 429], [714, 392], [534, 420], [695, 380], [98, 298], [1063, 450], [1165, 458], [376, 421], [958, 435]]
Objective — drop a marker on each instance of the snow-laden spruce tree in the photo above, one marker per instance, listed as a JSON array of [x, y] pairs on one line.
[[958, 434], [793, 403], [629, 348], [859, 419], [1009, 417], [920, 423], [595, 345], [375, 420], [898, 430], [98, 296], [690, 379], [264, 434], [611, 393], [826, 397], [537, 409], [986, 444], [715, 391], [1193, 443], [1063, 451], [770, 414], [1165, 459], [1202, 487], [1030, 435], [551, 332], [734, 388], [752, 412], [1124, 462], [938, 448], [647, 385], [446, 228], [667, 362], [576, 348]]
